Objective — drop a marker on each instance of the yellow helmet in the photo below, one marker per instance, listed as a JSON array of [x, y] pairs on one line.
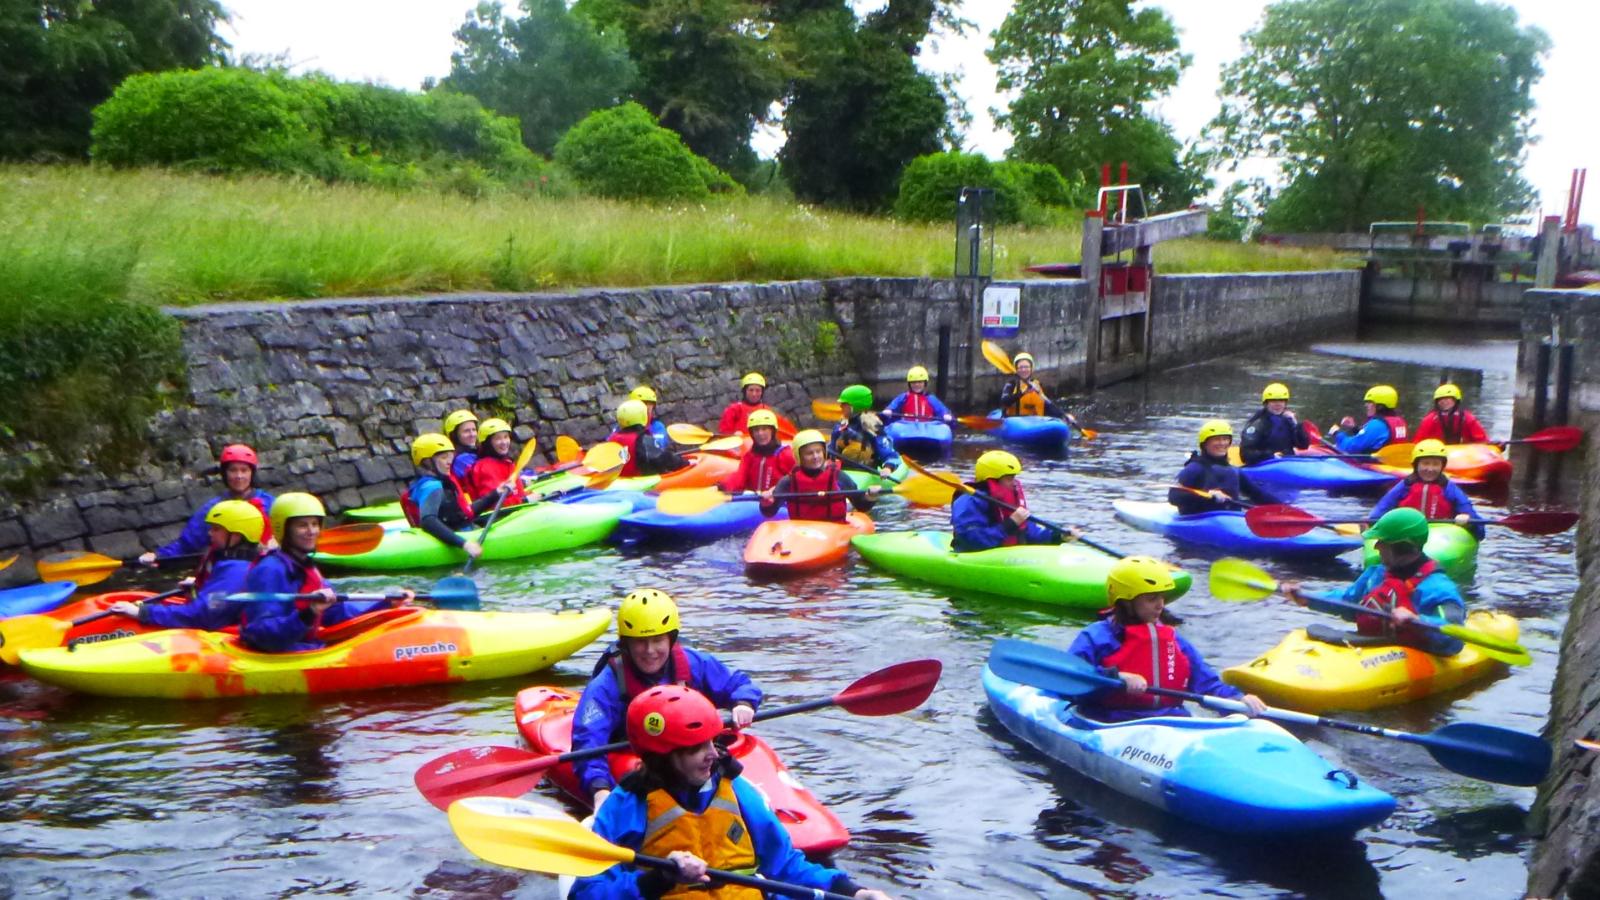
[[1135, 575], [238, 517], [996, 464], [1017, 360], [491, 427], [804, 438], [632, 412], [1447, 390], [1215, 428], [644, 393], [457, 419], [1275, 391], [754, 378], [646, 613], [760, 418], [293, 505], [916, 373], [1430, 448], [427, 446], [1383, 395]]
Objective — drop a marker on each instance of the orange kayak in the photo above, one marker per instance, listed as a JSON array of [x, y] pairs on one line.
[[1466, 464], [703, 470], [789, 546]]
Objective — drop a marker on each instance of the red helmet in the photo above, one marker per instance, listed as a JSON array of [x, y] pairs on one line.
[[669, 717], [237, 453]]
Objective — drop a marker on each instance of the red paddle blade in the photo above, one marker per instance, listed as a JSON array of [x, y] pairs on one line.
[[481, 772], [891, 691], [1312, 431], [1540, 522], [1556, 439], [1277, 520]]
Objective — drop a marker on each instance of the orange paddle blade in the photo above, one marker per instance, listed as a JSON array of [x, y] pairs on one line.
[[979, 423], [348, 540], [827, 410]]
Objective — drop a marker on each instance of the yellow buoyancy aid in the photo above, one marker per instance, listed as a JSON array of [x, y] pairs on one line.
[[719, 836], [1030, 402]]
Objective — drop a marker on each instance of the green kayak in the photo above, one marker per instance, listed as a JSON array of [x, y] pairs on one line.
[[566, 481], [378, 512], [1064, 574], [1451, 546], [524, 532]]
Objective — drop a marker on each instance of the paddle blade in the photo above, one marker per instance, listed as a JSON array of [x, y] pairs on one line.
[[1278, 520], [480, 772], [76, 565], [998, 357], [1395, 455], [568, 449], [20, 633], [605, 456], [510, 833], [1540, 522], [1489, 753], [455, 592], [899, 688], [827, 410], [979, 423], [926, 491], [1046, 668], [6, 563], [951, 480], [1489, 645], [1556, 439], [689, 435], [786, 428], [1234, 580], [729, 444], [691, 501], [348, 540], [524, 459]]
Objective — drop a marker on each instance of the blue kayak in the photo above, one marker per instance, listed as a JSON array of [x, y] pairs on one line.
[[1314, 473], [733, 517], [639, 500], [1036, 431], [1227, 530], [35, 598], [920, 437], [1234, 774]]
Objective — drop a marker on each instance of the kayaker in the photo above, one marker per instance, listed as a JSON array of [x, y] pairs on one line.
[[493, 466], [1429, 490], [687, 802], [859, 437], [436, 502], [1022, 394], [237, 463], [816, 473], [1382, 428], [752, 388], [644, 455], [981, 525], [1136, 640], [1273, 430], [648, 653], [1405, 582], [282, 626], [1208, 469], [461, 427], [767, 460], [234, 531], [646, 394], [1449, 421], [916, 404]]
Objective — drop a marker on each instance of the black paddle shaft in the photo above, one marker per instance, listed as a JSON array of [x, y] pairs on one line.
[[1058, 529]]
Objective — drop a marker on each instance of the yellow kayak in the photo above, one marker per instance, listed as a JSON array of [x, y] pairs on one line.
[[1314, 676]]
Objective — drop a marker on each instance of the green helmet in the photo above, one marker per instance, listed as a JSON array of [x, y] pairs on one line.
[[859, 396], [1401, 526]]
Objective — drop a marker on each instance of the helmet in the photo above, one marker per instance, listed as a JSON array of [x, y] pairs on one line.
[[457, 419], [859, 396], [1215, 428], [809, 436], [644, 393], [646, 613], [995, 464], [237, 453], [1017, 360], [670, 717], [1447, 390], [753, 378], [293, 505], [1134, 575], [427, 446], [238, 517], [1275, 391], [916, 373], [632, 412], [762, 417], [491, 427], [1429, 448], [1383, 395], [1402, 525]]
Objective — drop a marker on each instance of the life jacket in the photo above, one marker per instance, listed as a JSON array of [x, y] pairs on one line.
[[630, 455], [719, 836], [208, 562], [628, 681], [916, 406], [266, 517], [489, 472], [759, 471], [1451, 424], [1429, 499], [854, 442], [998, 513], [454, 494], [1029, 400], [818, 509], [1392, 593], [1399, 432], [310, 580], [1151, 651], [736, 416]]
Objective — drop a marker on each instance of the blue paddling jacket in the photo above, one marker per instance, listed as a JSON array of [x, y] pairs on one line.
[[1101, 639], [659, 431], [1373, 435], [1436, 598], [196, 534], [976, 526], [283, 626], [208, 610]]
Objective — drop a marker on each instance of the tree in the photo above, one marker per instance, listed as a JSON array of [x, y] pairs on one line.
[[549, 68], [1377, 107], [62, 58], [1083, 71]]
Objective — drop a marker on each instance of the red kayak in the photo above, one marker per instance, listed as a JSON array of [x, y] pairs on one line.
[[110, 627], [544, 716]]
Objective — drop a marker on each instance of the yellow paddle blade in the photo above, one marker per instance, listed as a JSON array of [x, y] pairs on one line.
[[827, 410], [516, 833], [1235, 458], [688, 435], [1395, 455], [76, 565], [525, 459], [1348, 529], [605, 456], [568, 449], [1509, 652], [998, 358], [723, 444], [690, 501], [951, 480], [1236, 581], [925, 491], [6, 563], [20, 633]]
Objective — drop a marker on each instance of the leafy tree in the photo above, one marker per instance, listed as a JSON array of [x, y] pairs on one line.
[[549, 68], [62, 58], [624, 153], [1377, 107]]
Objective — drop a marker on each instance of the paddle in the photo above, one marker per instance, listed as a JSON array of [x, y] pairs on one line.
[[1555, 439], [968, 489], [92, 568], [1281, 520], [730, 444], [20, 633], [1484, 752], [694, 501], [568, 450], [6, 563], [524, 459], [1237, 581], [455, 592], [510, 772], [1000, 360], [690, 435]]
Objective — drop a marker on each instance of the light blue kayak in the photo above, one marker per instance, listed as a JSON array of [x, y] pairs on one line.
[[35, 598], [1227, 530], [1042, 432], [731, 518], [920, 437]]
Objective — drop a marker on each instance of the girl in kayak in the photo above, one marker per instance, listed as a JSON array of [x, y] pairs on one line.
[[1273, 430], [1382, 428], [859, 437], [688, 803], [1405, 583], [646, 394], [1429, 491], [1022, 395], [1449, 421], [752, 388], [436, 502], [237, 463], [916, 404], [461, 427], [493, 467], [816, 474], [644, 456], [1137, 642], [1208, 470], [981, 525], [648, 653], [765, 462], [235, 529]]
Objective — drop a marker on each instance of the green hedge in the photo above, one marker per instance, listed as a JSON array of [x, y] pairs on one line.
[[1024, 192], [624, 153]]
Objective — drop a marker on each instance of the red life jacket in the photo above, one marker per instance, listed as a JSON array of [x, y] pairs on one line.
[[818, 509], [1429, 499], [488, 473], [1399, 432], [916, 406], [997, 513], [759, 471], [628, 681], [1392, 593], [1151, 651], [1458, 427], [630, 455], [450, 486], [736, 417]]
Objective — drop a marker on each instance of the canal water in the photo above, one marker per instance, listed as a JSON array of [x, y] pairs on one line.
[[314, 796]]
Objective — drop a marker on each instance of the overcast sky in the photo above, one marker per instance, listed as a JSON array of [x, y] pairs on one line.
[[400, 44]]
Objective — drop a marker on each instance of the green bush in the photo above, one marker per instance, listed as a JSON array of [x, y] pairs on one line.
[[623, 152], [220, 120], [929, 188], [1044, 184]]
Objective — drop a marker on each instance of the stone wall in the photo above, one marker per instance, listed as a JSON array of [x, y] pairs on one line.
[[1463, 300], [1197, 316]]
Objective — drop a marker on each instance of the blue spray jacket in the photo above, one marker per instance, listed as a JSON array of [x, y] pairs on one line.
[[1103, 638], [196, 534], [208, 610], [1436, 598], [1373, 435], [279, 627], [972, 519]]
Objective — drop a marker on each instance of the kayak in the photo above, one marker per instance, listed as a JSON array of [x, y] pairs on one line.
[[920, 437], [529, 531], [790, 546], [1061, 574], [703, 470], [108, 628], [1451, 546], [35, 598], [404, 646], [1314, 472], [1042, 432], [633, 500], [561, 482], [733, 517], [1313, 675], [1227, 530], [377, 512], [1234, 774], [544, 716], [1469, 465]]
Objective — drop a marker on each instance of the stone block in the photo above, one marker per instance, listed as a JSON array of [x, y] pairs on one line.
[[54, 522], [121, 544], [111, 518]]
